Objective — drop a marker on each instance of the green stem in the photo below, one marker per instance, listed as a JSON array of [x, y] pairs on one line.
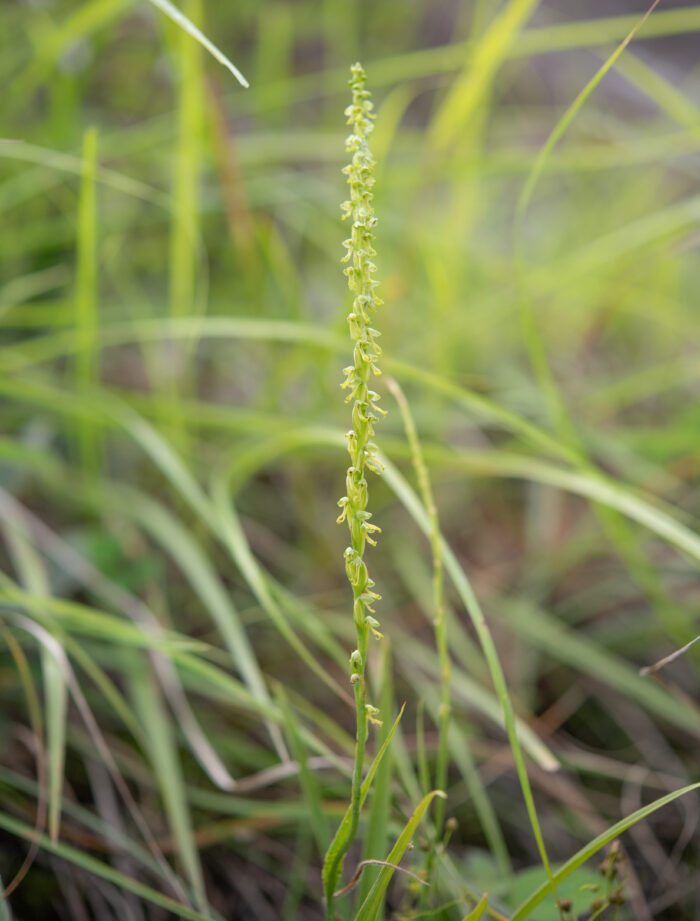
[[438, 622], [358, 678], [360, 742], [359, 272]]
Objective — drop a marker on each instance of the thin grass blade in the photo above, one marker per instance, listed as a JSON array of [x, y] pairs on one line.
[[179, 18], [478, 910], [372, 904], [164, 758], [33, 574], [595, 845], [331, 872], [97, 868]]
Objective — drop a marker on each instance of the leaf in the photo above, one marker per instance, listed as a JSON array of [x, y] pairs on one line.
[[86, 862], [568, 117], [478, 910], [377, 833], [597, 488], [473, 83], [33, 575], [179, 542], [572, 888], [167, 771], [332, 868], [411, 502], [370, 907], [595, 845], [86, 316], [584, 654], [170, 10], [309, 781], [230, 531]]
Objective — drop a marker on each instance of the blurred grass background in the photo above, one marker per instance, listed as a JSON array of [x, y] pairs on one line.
[[172, 312]]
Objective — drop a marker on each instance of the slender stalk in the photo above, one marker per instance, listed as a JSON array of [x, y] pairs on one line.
[[439, 627], [360, 274], [86, 359]]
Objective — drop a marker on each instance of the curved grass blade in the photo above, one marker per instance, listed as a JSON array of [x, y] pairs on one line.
[[92, 622], [34, 577], [595, 845], [233, 536], [178, 541], [534, 341], [36, 723], [86, 318], [121, 599], [567, 118], [163, 755], [309, 781], [372, 904], [53, 345], [580, 652], [332, 866], [179, 18], [220, 516], [50, 643], [413, 505], [59, 161], [598, 489], [587, 483], [473, 84], [96, 867], [478, 910], [377, 833]]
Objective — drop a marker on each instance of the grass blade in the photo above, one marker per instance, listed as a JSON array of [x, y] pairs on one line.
[[473, 83], [331, 873], [309, 782], [473, 608], [170, 10], [533, 339], [5, 913], [86, 294], [165, 761], [194, 563], [99, 869], [33, 575], [233, 536], [376, 836], [595, 845], [187, 156], [578, 651], [478, 910], [567, 118], [372, 904]]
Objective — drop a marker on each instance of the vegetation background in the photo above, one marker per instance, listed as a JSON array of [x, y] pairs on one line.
[[176, 625]]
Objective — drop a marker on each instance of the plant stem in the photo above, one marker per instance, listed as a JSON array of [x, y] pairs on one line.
[[439, 627], [366, 352]]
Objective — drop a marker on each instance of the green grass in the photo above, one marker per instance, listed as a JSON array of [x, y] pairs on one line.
[[178, 725]]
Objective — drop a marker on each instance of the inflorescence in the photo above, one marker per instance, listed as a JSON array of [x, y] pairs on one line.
[[360, 274]]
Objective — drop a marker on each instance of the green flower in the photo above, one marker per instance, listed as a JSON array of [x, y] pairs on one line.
[[360, 273]]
